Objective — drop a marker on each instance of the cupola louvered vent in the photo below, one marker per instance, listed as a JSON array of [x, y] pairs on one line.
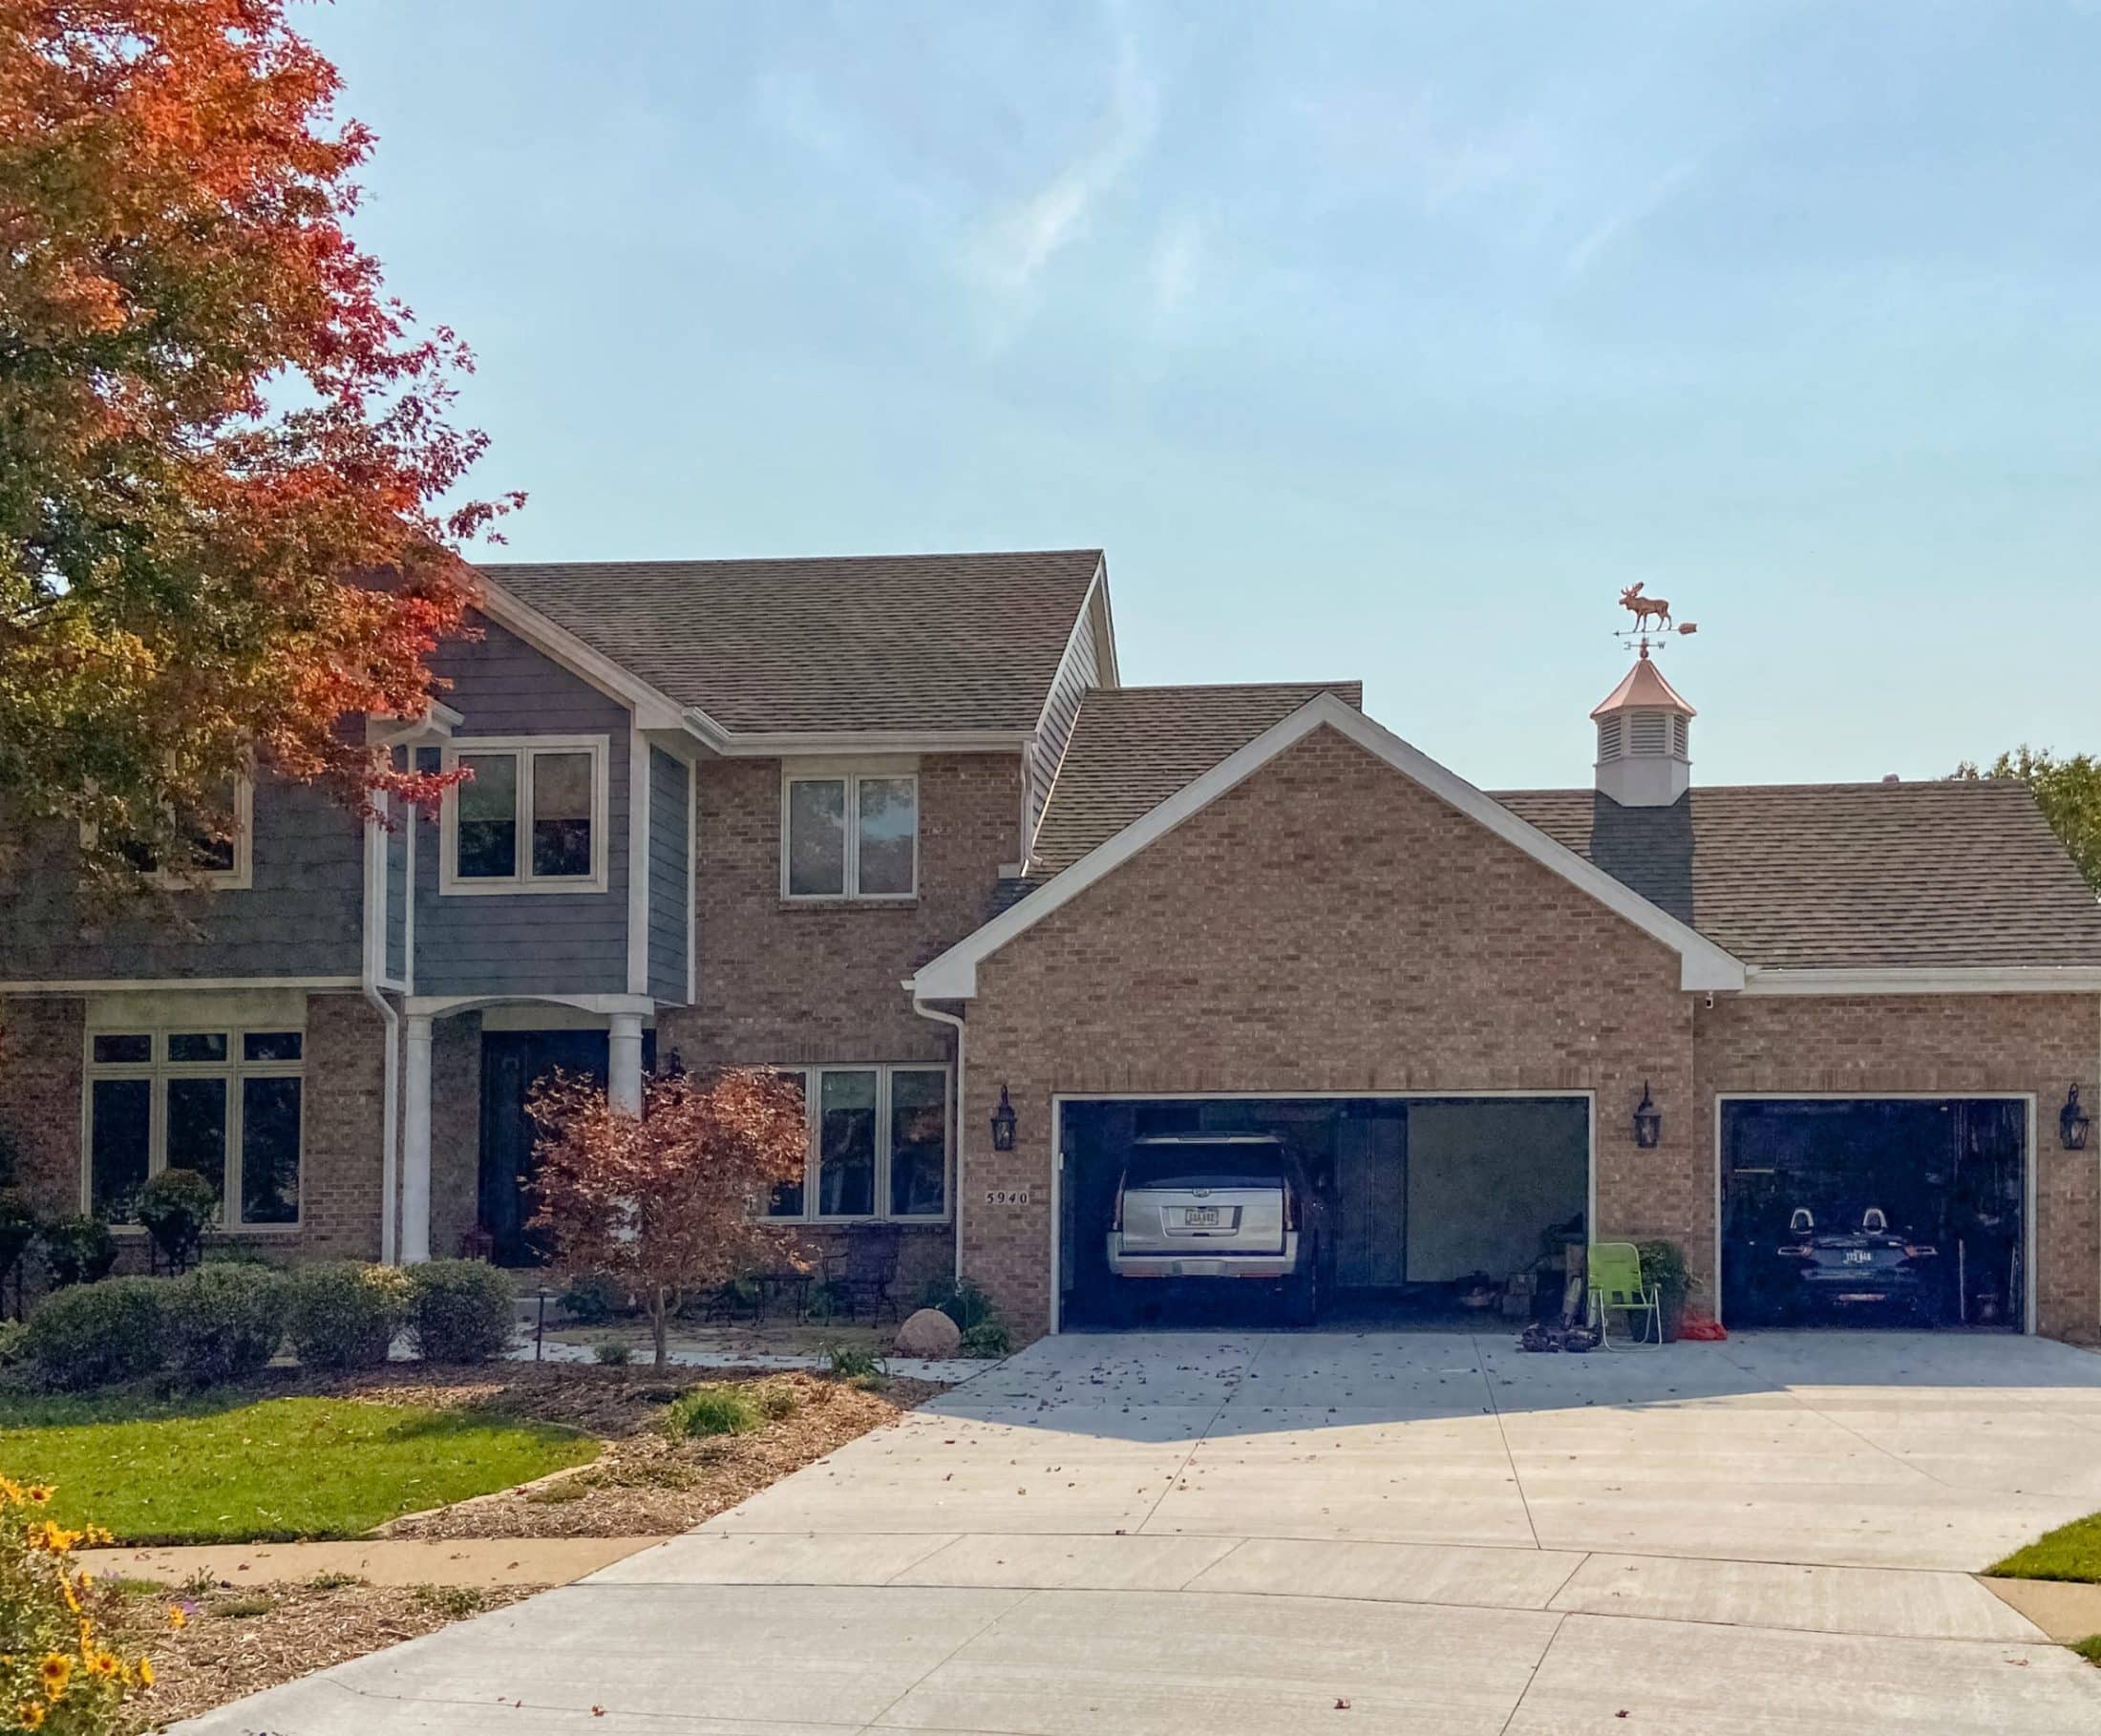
[[1644, 740], [1680, 735], [1647, 735], [1610, 738]]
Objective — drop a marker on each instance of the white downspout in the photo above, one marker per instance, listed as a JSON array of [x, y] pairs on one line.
[[375, 941], [963, 1100]]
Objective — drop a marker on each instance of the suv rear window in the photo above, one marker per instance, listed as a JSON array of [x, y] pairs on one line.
[[1203, 1166]]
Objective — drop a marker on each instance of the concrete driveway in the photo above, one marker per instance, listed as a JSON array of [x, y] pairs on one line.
[[1261, 1532]]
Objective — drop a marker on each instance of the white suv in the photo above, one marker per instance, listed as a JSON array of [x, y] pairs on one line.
[[1206, 1206]]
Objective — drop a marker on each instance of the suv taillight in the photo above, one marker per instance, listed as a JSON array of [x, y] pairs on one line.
[[1290, 1207]]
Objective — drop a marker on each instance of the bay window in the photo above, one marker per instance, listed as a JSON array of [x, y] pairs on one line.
[[224, 1103], [531, 817], [850, 834], [877, 1144]]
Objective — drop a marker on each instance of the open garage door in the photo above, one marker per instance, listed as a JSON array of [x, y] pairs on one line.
[[1875, 1211], [1273, 1210]]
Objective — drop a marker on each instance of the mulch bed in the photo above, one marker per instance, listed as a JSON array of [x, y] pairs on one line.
[[239, 1642], [642, 1483]]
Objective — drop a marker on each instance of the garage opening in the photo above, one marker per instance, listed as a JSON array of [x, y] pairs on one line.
[[1875, 1211], [1277, 1211]]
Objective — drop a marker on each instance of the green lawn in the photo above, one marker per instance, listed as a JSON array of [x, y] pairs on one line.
[[2071, 1552], [206, 1470]]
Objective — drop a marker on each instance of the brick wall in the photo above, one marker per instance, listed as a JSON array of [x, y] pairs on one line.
[[40, 1060], [1325, 925], [798, 981], [1952, 1044], [345, 1097]]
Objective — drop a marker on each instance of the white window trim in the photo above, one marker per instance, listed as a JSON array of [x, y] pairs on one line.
[[159, 1070], [851, 776], [525, 880], [812, 1105], [240, 878]]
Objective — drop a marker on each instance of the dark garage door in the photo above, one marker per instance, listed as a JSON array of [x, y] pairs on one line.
[[1873, 1211], [1422, 1201]]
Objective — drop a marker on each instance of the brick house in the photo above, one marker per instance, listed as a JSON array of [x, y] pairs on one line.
[[895, 826]]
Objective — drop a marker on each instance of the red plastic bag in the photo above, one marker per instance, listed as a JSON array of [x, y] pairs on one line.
[[1701, 1328]]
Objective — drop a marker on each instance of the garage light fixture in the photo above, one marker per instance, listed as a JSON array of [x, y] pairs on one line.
[[1648, 1120], [2073, 1123], [1003, 1124]]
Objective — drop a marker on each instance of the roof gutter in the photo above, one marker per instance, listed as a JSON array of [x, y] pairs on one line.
[[780, 744], [1927, 980]]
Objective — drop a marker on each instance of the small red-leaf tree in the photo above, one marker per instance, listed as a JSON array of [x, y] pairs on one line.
[[670, 1202]]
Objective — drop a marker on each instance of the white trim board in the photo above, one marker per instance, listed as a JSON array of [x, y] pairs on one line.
[[1927, 980], [953, 976]]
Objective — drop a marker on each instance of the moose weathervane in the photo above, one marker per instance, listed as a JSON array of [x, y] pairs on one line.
[[1646, 609]]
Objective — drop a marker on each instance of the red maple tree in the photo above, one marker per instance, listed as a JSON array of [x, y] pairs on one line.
[[668, 1204], [215, 427]]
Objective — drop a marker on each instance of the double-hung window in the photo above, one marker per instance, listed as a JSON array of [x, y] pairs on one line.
[[218, 842], [850, 834], [530, 819], [225, 1102], [877, 1144]]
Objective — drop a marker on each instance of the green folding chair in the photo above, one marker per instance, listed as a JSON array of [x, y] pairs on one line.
[[1615, 1286]]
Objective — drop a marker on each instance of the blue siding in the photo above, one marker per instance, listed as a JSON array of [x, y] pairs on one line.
[[669, 875], [534, 943], [304, 917], [398, 892]]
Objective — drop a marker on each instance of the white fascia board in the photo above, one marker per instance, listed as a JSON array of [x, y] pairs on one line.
[[1083, 623], [790, 744], [1928, 980], [1703, 964], [652, 710], [1106, 648], [102, 985], [439, 1007]]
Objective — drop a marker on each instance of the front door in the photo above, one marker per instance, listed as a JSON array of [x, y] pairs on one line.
[[512, 1063]]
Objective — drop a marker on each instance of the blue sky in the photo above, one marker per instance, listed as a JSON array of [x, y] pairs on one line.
[[1369, 340]]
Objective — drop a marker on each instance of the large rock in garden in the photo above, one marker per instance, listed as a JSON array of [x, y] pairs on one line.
[[930, 1333]]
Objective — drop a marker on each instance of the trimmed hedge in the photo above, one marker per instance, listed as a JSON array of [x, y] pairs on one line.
[[460, 1310], [224, 1322], [341, 1314], [95, 1335]]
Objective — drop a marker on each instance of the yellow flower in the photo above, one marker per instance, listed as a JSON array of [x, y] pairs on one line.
[[145, 1672], [177, 1618], [104, 1663], [55, 1672], [39, 1492], [30, 1715]]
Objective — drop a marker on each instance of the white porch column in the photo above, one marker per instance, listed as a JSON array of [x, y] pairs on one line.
[[415, 1144], [623, 1062]]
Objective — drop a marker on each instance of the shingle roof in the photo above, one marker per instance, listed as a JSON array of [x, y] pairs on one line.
[[1955, 873], [1132, 748], [890, 642]]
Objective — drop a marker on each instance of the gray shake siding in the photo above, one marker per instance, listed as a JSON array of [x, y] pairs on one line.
[[527, 942], [669, 876], [397, 900], [302, 917], [1080, 669]]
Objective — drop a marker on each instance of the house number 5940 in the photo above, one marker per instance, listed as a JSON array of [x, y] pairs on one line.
[[1006, 1197]]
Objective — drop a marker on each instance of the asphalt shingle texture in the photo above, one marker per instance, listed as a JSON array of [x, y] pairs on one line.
[[890, 642]]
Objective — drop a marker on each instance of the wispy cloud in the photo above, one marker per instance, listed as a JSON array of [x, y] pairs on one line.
[[1020, 242], [1618, 224], [1178, 262]]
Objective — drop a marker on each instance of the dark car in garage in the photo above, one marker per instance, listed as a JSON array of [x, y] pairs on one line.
[[1868, 1268]]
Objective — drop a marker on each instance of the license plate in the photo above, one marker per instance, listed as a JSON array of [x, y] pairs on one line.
[[1859, 1257], [1200, 1218]]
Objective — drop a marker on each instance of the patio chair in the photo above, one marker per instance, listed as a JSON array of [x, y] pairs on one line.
[[1615, 1286], [868, 1271]]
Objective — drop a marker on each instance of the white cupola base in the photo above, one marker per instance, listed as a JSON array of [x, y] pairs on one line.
[[1645, 736]]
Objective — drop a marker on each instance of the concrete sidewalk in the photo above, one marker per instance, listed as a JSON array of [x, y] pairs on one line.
[[381, 1561], [1249, 1533]]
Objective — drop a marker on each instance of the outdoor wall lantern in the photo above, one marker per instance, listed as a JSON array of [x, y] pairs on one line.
[[1648, 1120], [1003, 1124], [2073, 1123]]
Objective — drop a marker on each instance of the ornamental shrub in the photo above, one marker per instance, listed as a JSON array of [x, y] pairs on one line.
[[343, 1314], [176, 1207], [77, 1251], [56, 1674], [712, 1410], [224, 1322], [960, 1300], [460, 1311], [96, 1335]]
